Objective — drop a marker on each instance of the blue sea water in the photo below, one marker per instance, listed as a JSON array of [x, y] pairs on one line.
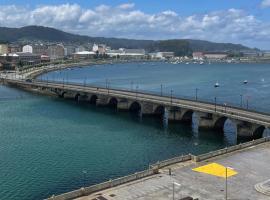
[[46, 143]]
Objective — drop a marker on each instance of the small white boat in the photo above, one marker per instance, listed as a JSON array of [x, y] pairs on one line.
[[245, 81], [217, 84], [201, 63]]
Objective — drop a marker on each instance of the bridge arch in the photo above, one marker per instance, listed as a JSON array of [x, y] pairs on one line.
[[93, 99], [187, 116], [258, 132], [113, 102], [63, 94], [135, 107], [77, 96], [159, 110], [219, 123]]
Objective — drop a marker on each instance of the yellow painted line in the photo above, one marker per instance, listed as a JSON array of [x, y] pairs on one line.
[[215, 169]]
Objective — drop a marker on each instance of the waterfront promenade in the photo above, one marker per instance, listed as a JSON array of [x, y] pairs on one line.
[[251, 164]]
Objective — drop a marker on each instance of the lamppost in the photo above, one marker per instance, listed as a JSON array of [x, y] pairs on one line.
[[131, 85], [84, 82], [196, 96], [215, 104], [106, 83], [161, 90], [226, 181], [137, 91], [247, 103], [171, 95], [241, 103], [177, 184]]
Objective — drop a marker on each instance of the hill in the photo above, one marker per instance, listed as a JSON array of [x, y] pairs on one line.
[[179, 46]]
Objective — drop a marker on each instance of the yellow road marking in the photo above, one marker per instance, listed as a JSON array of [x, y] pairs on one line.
[[215, 169]]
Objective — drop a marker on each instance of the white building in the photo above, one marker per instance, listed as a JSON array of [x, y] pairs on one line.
[[100, 48], [84, 55], [114, 53], [215, 55], [95, 48], [27, 49], [163, 55], [266, 54], [3, 49]]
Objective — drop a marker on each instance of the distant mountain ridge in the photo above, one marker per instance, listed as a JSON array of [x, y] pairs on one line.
[[179, 46]]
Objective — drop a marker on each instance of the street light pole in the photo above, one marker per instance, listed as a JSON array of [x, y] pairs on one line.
[[171, 95], [173, 191], [196, 97], [174, 183], [247, 103], [241, 103], [84, 82], [131, 85], [226, 184], [137, 91], [161, 90], [215, 104]]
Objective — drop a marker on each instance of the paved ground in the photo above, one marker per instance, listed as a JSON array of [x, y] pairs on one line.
[[252, 166]]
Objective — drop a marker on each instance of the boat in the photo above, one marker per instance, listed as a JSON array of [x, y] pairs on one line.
[[201, 63], [245, 81], [217, 84]]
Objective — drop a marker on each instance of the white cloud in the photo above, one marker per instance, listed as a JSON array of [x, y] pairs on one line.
[[231, 25], [265, 3], [126, 6]]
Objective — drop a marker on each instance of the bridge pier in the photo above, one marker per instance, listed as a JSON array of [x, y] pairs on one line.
[[206, 121], [147, 109], [102, 100], [249, 130], [123, 105], [82, 98], [174, 114]]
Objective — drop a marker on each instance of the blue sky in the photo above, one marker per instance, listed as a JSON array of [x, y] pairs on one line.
[[237, 21]]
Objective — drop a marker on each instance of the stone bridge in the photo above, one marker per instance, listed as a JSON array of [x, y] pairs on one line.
[[248, 123]]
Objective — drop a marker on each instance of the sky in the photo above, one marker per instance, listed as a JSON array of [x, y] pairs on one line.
[[237, 21]]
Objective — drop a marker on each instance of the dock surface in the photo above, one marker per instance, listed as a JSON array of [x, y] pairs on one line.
[[252, 165]]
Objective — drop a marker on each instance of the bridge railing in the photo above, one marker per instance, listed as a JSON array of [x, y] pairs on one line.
[[229, 104]]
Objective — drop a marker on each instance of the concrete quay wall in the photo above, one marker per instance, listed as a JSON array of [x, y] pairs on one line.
[[154, 169], [102, 186]]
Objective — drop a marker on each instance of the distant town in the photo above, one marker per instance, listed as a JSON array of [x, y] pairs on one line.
[[19, 56]]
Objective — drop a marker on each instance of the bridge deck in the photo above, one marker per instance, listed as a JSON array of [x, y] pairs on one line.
[[206, 107]]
